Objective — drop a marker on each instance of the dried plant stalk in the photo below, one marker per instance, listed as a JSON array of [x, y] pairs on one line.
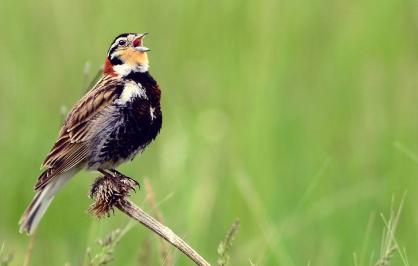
[[113, 191]]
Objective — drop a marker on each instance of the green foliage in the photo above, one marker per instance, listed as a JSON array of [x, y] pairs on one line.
[[389, 244], [299, 117], [5, 259], [107, 247], [226, 244]]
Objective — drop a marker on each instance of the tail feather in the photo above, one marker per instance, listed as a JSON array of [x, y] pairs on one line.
[[40, 203]]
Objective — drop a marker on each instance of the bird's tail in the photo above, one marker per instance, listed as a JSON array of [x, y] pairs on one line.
[[44, 196]]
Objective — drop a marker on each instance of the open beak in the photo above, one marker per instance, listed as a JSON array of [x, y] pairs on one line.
[[142, 49], [138, 43]]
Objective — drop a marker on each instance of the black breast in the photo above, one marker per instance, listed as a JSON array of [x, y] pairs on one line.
[[133, 126]]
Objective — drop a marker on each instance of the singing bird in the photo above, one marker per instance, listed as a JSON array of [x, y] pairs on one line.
[[110, 125]]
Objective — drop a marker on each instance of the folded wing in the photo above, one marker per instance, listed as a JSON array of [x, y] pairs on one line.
[[72, 147]]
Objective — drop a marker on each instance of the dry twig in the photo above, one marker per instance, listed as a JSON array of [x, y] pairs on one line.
[[113, 191]]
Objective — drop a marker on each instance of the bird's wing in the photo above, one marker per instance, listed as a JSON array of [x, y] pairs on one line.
[[71, 148]]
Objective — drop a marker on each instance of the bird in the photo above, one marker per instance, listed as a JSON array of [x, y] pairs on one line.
[[113, 122]]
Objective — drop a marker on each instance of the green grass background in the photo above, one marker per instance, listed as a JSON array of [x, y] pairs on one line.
[[298, 117]]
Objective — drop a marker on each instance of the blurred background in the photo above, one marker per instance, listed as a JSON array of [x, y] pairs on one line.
[[297, 117]]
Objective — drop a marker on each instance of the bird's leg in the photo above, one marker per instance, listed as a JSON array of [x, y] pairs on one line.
[[118, 176], [105, 173], [115, 172]]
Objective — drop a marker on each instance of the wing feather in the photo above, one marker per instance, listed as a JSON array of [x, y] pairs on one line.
[[71, 148]]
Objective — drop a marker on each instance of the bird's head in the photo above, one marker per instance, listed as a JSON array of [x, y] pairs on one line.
[[127, 54]]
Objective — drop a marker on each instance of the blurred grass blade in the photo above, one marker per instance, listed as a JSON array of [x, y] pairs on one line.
[[226, 244]]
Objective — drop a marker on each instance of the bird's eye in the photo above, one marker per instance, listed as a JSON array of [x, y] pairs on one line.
[[122, 42]]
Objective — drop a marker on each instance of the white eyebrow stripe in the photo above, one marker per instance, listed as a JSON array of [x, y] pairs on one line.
[[115, 43]]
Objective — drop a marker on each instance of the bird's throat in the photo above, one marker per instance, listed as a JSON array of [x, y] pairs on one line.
[[123, 69]]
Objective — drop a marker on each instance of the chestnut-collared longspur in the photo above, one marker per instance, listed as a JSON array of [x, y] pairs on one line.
[[114, 121]]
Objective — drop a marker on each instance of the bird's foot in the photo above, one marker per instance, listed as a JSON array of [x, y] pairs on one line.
[[119, 175], [109, 190]]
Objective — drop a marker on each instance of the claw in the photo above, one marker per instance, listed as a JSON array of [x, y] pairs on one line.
[[110, 189], [119, 175]]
